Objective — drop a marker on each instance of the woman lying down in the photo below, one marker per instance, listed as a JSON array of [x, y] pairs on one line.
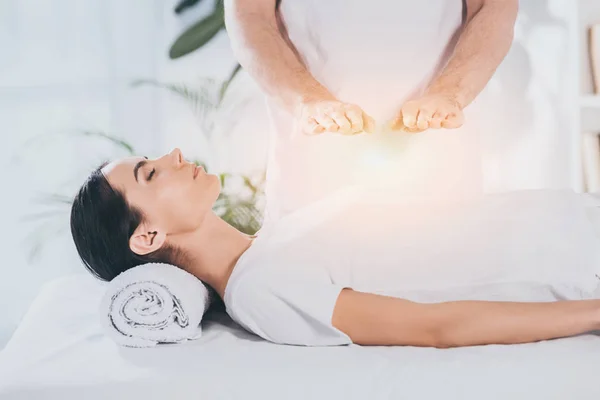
[[341, 272]]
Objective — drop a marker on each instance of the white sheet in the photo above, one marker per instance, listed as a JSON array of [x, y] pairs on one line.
[[59, 352]]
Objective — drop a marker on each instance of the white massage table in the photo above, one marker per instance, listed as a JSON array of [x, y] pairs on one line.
[[60, 352]]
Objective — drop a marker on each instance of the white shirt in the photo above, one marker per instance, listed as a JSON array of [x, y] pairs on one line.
[[285, 286], [376, 54]]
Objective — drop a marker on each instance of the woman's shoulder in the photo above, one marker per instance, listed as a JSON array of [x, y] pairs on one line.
[[282, 305]]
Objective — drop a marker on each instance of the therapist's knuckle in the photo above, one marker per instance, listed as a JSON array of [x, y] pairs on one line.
[[356, 120], [321, 115], [338, 105], [332, 126], [409, 105], [425, 112], [409, 110], [409, 120], [435, 123], [353, 108]]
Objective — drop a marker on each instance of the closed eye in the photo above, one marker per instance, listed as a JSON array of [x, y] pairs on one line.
[[151, 174]]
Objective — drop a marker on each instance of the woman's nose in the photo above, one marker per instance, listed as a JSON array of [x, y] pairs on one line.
[[177, 156]]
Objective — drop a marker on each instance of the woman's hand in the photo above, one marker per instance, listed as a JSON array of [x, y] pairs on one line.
[[437, 110], [320, 116]]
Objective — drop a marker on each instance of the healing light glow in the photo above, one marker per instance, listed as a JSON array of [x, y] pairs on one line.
[[374, 159], [376, 166]]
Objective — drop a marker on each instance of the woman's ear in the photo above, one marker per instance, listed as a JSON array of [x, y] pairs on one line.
[[145, 240]]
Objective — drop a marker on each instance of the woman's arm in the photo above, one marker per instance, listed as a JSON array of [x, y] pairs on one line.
[[370, 319], [268, 56]]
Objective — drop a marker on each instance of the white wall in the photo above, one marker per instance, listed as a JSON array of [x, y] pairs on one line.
[[66, 66]]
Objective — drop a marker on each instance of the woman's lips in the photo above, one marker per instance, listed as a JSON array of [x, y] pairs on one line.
[[197, 171]]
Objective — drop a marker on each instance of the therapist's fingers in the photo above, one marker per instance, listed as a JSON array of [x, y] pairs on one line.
[[397, 124], [354, 114], [423, 118], [312, 127], [436, 120], [369, 123], [333, 116], [327, 122], [409, 113], [454, 120], [341, 120]]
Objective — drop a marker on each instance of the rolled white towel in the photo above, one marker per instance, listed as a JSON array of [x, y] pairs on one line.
[[154, 303]]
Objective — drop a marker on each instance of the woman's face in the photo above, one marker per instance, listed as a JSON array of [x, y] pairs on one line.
[[173, 194]]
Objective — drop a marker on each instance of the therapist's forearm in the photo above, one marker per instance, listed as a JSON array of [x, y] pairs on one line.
[[482, 45], [266, 54]]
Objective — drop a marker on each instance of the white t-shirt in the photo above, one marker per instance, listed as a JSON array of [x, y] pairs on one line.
[[377, 54], [285, 286], [380, 53]]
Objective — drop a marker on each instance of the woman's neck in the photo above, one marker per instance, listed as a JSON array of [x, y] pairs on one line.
[[213, 250]]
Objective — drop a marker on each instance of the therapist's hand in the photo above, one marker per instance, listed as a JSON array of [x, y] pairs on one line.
[[332, 116], [435, 111]]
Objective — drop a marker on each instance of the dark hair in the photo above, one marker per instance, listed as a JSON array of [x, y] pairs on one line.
[[101, 224]]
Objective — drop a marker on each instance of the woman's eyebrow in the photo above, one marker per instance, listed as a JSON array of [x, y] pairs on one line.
[[139, 165]]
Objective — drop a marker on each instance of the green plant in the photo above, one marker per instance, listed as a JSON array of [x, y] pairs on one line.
[[50, 222], [243, 211], [205, 101], [199, 33], [52, 210]]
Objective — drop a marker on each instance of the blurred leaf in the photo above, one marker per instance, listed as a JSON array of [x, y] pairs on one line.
[[227, 214], [200, 164], [55, 221], [226, 84], [44, 215], [244, 216], [181, 90], [201, 101], [41, 236], [182, 5], [229, 106], [222, 178], [207, 103], [53, 198], [46, 138], [240, 213], [249, 184], [119, 142], [198, 34]]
